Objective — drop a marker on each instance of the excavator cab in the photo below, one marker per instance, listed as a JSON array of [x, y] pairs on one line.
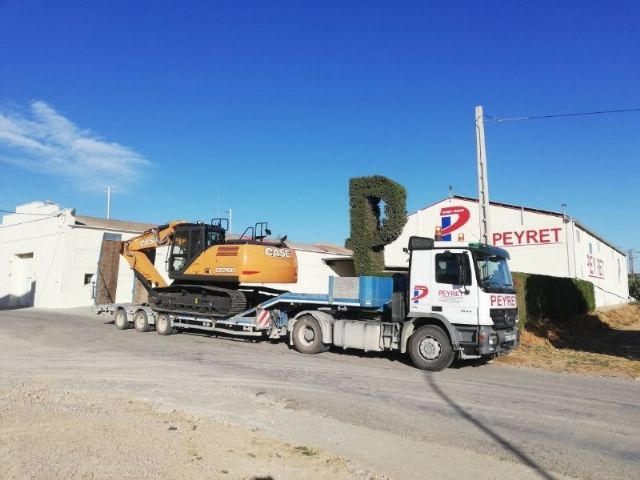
[[190, 240]]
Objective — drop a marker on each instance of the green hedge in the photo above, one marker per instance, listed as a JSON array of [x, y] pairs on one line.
[[369, 232], [542, 297]]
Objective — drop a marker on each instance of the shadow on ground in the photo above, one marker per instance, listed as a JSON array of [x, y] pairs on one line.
[[508, 446]]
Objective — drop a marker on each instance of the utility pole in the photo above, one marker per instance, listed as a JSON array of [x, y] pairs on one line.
[[631, 261], [483, 182], [230, 219], [108, 202]]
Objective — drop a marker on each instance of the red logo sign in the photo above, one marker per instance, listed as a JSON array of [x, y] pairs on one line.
[[462, 213], [527, 237], [419, 291], [503, 301]]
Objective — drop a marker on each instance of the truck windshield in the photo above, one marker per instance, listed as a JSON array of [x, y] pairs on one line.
[[493, 272]]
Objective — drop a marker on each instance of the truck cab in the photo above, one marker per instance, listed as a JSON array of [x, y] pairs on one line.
[[464, 289]]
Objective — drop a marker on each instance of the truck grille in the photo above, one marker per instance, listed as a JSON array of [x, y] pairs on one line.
[[504, 317]]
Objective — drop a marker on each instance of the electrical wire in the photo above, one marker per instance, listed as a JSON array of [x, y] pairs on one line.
[[556, 115], [20, 213]]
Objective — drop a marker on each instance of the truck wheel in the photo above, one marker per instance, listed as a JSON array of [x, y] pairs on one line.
[[121, 321], [430, 348], [307, 335], [163, 324], [141, 322]]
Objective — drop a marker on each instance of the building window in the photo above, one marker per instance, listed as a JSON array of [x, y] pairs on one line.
[[87, 278]]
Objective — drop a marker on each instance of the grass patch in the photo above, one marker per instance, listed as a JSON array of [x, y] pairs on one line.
[[306, 451], [605, 342]]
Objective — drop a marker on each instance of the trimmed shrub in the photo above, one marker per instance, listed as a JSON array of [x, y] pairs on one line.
[[369, 232], [634, 286], [542, 297]]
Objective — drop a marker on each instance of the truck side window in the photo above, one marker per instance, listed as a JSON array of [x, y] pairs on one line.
[[447, 270]]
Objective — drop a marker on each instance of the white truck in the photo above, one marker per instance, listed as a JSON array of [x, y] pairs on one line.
[[457, 301]]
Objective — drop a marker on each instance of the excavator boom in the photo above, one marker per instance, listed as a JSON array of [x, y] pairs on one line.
[[135, 252]]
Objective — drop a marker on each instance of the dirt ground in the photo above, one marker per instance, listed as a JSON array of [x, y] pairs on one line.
[[81, 399], [48, 434], [605, 343]]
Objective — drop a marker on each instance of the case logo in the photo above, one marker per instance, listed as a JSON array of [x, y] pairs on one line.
[[277, 252]]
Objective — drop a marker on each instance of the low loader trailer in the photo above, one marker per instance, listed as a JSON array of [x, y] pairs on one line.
[[457, 301]]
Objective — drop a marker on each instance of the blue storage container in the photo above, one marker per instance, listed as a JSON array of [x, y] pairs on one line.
[[365, 291], [375, 291]]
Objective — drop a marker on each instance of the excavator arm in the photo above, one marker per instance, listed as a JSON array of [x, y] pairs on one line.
[[135, 252]]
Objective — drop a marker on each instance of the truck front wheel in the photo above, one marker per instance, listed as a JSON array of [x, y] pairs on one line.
[[430, 348], [307, 335]]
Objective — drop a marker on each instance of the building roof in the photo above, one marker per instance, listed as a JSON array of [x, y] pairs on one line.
[[110, 224], [320, 248], [534, 210]]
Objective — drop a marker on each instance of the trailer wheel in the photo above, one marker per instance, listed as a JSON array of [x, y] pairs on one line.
[[141, 322], [307, 335], [121, 321], [163, 325], [430, 348]]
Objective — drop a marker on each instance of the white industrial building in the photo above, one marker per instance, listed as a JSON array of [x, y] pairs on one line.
[[539, 242], [49, 258]]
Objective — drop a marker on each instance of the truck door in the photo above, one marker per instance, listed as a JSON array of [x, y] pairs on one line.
[[438, 287], [455, 294]]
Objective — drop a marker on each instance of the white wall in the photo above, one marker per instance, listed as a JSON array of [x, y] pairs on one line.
[[45, 238], [83, 252], [602, 265], [62, 255]]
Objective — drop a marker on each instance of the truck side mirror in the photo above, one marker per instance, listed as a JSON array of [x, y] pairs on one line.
[[462, 274]]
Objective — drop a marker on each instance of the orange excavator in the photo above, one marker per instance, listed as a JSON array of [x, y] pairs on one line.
[[209, 271]]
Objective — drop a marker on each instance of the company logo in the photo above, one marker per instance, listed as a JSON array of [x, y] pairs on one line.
[[453, 218], [503, 301], [419, 291], [147, 242], [277, 252]]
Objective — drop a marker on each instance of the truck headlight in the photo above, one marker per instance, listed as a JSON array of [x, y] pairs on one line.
[[493, 339]]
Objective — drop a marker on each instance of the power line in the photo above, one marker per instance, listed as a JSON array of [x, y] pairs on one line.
[[556, 115]]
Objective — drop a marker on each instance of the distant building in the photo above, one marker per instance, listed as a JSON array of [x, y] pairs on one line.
[[539, 241], [49, 258]]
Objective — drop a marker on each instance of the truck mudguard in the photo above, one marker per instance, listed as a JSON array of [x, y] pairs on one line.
[[432, 319], [325, 320]]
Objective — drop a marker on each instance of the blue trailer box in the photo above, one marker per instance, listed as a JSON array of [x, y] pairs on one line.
[[365, 291], [375, 291]]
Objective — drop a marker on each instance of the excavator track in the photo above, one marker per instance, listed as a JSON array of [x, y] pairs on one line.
[[202, 300]]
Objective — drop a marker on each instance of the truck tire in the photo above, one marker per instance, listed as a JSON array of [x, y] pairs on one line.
[[121, 320], [141, 322], [163, 325], [430, 348], [307, 336]]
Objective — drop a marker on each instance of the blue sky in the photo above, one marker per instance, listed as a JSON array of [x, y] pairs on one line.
[[190, 108]]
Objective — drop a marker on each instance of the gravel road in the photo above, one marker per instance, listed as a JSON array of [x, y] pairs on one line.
[[379, 414]]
